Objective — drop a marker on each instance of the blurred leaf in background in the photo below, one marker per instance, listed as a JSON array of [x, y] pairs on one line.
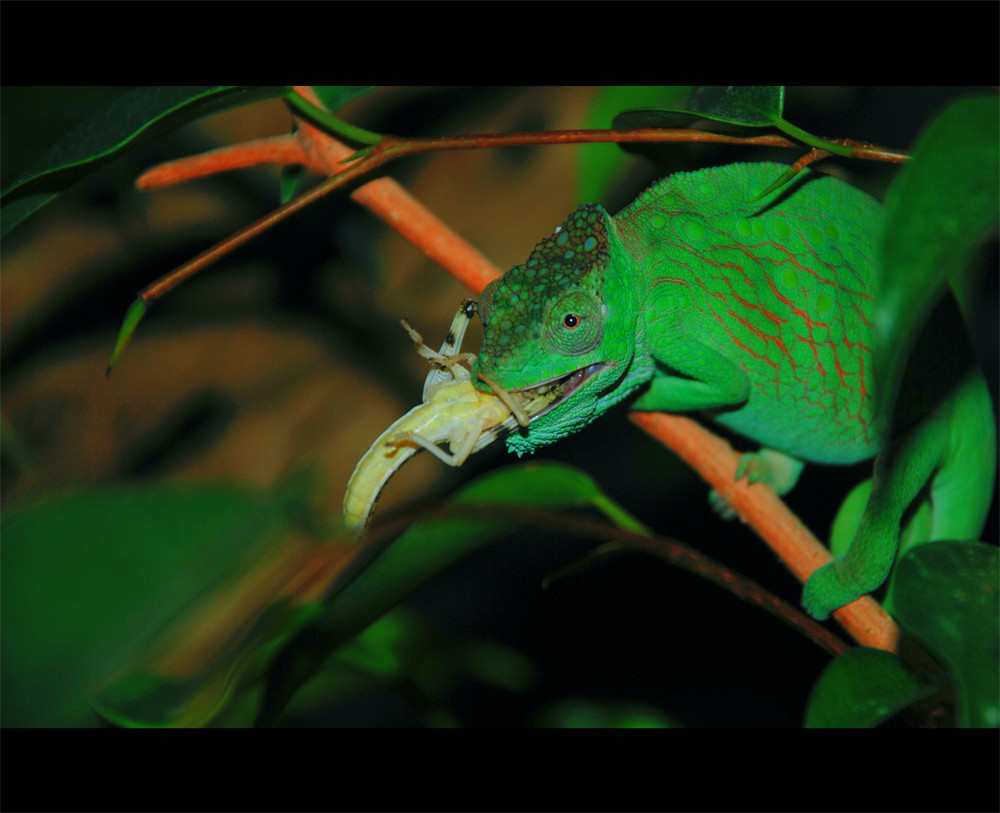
[[90, 577]]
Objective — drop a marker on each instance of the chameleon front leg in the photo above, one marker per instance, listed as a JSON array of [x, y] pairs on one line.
[[952, 455], [710, 380], [692, 376]]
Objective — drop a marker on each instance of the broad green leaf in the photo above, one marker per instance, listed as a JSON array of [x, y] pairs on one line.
[[862, 688], [752, 106], [946, 595], [744, 106], [132, 119], [941, 205], [89, 577], [599, 165], [734, 106], [755, 106], [403, 654], [421, 553], [147, 698]]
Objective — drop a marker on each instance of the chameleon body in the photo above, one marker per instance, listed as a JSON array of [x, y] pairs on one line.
[[758, 315]]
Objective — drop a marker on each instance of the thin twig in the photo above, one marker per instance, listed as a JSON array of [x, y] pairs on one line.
[[391, 148]]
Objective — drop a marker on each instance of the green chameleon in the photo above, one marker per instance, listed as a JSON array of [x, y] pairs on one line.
[[758, 316]]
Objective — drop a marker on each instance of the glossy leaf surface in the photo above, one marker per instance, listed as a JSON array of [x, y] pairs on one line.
[[941, 205], [946, 594], [132, 119], [860, 689]]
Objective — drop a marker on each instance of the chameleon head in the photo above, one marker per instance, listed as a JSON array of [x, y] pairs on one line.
[[561, 318]]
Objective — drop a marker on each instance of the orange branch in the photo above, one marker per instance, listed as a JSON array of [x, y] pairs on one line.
[[283, 149], [314, 149], [715, 461], [398, 208]]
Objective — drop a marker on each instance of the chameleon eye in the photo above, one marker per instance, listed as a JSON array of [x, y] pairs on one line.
[[574, 323]]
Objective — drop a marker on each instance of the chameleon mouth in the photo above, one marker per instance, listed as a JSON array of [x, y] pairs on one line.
[[527, 403], [566, 384]]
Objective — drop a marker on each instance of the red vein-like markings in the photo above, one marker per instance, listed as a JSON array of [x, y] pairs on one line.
[[751, 326], [862, 350], [756, 308], [762, 256], [698, 277], [727, 327], [856, 350], [834, 283], [739, 312], [814, 323], [803, 315], [777, 338], [852, 268], [747, 290]]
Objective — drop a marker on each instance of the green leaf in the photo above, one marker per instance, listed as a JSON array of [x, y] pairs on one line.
[[946, 595], [751, 106], [144, 698], [89, 577], [862, 688], [735, 106], [132, 119], [422, 552], [290, 177], [131, 321], [402, 654], [329, 122], [744, 106], [941, 205], [431, 545]]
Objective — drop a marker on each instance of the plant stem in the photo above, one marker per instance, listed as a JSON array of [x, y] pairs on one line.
[[618, 515], [330, 122], [836, 147]]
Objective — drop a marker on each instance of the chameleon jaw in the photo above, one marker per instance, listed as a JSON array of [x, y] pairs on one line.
[[568, 383]]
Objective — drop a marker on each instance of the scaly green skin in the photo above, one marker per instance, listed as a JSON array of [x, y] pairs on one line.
[[758, 315]]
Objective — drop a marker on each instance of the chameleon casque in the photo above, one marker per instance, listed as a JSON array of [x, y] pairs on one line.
[[759, 316]]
